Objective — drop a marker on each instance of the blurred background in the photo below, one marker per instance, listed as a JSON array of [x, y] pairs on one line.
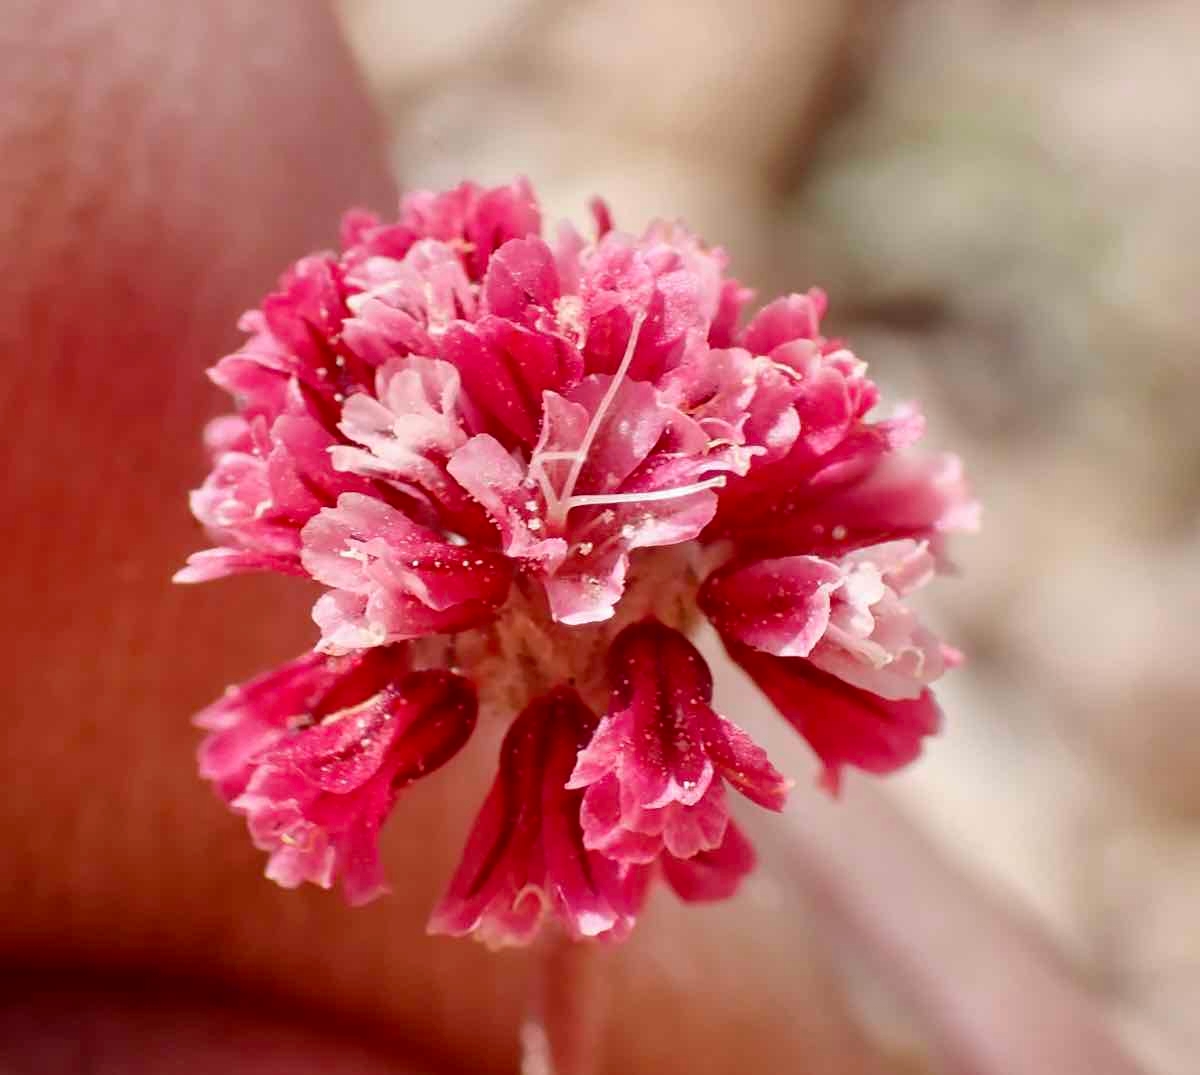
[[1000, 197]]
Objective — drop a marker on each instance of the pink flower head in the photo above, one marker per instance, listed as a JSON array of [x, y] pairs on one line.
[[537, 462]]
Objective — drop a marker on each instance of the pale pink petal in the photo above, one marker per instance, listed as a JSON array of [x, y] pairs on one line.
[[792, 317], [409, 426], [227, 433], [402, 580], [846, 616], [213, 564], [502, 486], [872, 639], [479, 220], [402, 306], [737, 398], [380, 331], [261, 492], [667, 278], [781, 606], [724, 328], [521, 280]]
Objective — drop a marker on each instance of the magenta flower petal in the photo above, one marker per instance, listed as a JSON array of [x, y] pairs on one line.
[[295, 336], [601, 815], [254, 716], [844, 724], [304, 310], [502, 485], [473, 219], [480, 220], [711, 875], [832, 394], [254, 379], [616, 286], [506, 368], [656, 765], [317, 798], [633, 833], [525, 856], [863, 492], [906, 496]]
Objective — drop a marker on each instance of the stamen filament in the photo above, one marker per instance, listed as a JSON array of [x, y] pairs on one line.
[[585, 445], [592, 499], [538, 472]]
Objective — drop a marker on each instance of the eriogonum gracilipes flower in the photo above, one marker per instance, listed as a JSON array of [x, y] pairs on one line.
[[524, 469]]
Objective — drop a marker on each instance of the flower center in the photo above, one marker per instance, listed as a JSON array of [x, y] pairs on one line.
[[524, 653]]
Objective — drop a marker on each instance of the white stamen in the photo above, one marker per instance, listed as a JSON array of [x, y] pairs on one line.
[[538, 473], [638, 498], [585, 445]]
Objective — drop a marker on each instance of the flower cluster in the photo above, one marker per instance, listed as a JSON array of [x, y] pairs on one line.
[[523, 470]]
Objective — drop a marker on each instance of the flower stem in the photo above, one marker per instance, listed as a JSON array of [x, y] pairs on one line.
[[560, 1035]]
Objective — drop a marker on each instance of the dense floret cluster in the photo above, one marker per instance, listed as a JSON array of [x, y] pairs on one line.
[[524, 470]]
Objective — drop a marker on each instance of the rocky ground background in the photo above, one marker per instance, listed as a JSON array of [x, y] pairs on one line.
[[1000, 198]]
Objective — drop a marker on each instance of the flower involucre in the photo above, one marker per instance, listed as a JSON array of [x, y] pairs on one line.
[[539, 464]]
